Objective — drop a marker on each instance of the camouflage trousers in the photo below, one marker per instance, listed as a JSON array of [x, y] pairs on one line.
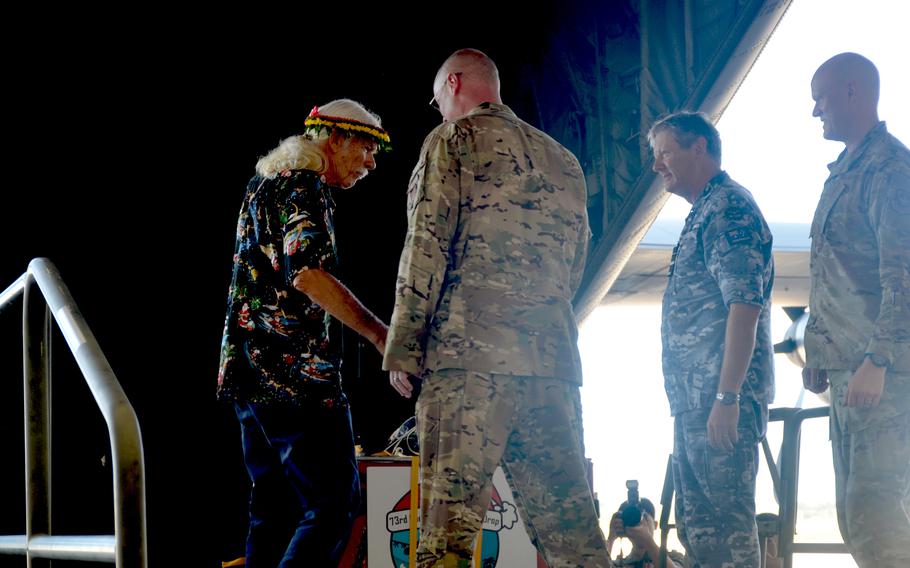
[[715, 490], [871, 449], [468, 424]]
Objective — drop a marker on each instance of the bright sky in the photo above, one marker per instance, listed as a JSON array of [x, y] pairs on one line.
[[774, 147]]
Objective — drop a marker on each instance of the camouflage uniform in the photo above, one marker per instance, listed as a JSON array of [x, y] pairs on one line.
[[859, 304], [723, 257], [496, 241], [677, 557]]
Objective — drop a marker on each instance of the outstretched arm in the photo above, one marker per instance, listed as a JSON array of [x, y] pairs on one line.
[[339, 302]]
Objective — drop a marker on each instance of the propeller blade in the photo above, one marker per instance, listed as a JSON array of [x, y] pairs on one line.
[[795, 312], [785, 346]]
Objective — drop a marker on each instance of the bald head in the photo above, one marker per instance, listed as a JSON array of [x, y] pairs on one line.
[[467, 78], [845, 89], [474, 64], [855, 69]]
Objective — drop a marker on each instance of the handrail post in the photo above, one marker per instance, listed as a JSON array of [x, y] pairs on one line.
[[36, 345], [122, 423], [790, 481], [789, 463], [44, 295]]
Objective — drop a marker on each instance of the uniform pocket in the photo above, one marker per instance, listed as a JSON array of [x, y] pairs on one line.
[[415, 185], [428, 432], [730, 474]]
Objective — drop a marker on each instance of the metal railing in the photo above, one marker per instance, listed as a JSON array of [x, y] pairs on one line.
[[127, 546], [785, 477], [793, 419]]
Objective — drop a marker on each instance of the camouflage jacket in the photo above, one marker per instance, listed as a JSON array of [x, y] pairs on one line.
[[495, 248], [723, 257], [860, 262]]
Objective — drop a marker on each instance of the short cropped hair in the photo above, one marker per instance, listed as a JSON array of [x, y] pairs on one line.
[[473, 61], [687, 127]]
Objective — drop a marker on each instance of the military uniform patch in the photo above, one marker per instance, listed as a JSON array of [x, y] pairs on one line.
[[738, 236]]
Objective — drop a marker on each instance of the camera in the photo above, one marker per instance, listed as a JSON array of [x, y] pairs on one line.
[[630, 512]]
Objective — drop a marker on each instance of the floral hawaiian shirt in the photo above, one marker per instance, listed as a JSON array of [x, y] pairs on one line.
[[278, 346]]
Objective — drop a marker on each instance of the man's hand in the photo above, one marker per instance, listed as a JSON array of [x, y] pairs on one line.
[[399, 381], [739, 344], [866, 386], [642, 534], [616, 528], [815, 380], [722, 422]]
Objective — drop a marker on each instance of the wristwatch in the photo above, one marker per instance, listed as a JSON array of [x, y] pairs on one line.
[[728, 398], [878, 360]]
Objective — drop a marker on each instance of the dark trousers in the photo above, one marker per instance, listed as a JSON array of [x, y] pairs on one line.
[[305, 487]]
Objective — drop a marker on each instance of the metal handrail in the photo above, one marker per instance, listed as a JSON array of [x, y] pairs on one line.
[[786, 476], [127, 546], [789, 476]]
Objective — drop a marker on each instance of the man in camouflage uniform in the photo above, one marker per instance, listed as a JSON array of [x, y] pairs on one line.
[[281, 351], [496, 241], [717, 350], [858, 335]]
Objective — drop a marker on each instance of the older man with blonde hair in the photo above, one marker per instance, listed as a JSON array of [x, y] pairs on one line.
[[496, 241], [281, 350]]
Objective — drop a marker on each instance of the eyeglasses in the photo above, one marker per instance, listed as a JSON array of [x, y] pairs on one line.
[[433, 102]]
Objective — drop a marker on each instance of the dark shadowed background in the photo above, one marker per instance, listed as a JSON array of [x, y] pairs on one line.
[[129, 146], [131, 132]]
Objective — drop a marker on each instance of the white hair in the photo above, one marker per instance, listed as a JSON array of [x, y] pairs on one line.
[[306, 151], [295, 153]]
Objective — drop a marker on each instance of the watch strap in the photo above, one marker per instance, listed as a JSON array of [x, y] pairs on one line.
[[728, 398]]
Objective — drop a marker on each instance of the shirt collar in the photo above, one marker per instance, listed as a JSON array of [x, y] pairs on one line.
[[719, 179], [492, 109], [845, 160]]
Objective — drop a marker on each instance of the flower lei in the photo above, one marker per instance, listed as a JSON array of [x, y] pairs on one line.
[[316, 123]]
